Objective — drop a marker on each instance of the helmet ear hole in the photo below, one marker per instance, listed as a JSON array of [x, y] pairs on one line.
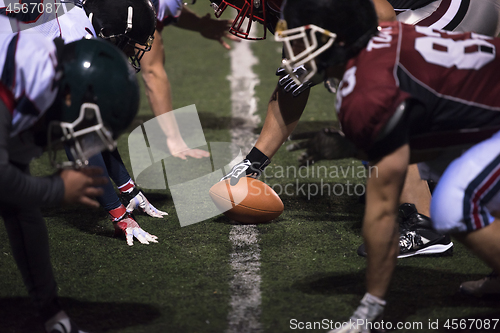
[[67, 95]]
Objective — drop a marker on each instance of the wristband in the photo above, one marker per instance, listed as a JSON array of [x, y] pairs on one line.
[[259, 161]]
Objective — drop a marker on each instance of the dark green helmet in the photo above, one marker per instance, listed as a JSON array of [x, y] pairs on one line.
[[98, 97]]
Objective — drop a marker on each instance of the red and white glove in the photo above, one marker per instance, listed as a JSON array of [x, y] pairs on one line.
[[137, 200], [128, 226]]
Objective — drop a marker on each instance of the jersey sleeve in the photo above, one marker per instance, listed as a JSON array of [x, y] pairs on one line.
[[30, 72], [173, 7], [369, 95], [365, 107], [19, 187], [75, 25], [169, 11]]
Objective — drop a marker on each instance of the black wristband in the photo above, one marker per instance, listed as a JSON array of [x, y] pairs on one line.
[[258, 159]]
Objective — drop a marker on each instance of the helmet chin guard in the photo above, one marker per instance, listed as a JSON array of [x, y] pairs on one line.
[[124, 42], [311, 49], [248, 12], [84, 138]]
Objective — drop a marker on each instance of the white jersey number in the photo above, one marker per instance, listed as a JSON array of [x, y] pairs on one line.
[[464, 54], [346, 86]]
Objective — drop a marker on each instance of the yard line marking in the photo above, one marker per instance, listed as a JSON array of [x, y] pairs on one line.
[[244, 316]]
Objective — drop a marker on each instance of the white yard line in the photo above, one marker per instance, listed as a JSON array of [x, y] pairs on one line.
[[244, 316]]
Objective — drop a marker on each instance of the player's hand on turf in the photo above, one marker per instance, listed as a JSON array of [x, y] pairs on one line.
[[217, 30], [178, 148], [327, 144], [130, 228], [288, 84], [80, 186], [137, 200]]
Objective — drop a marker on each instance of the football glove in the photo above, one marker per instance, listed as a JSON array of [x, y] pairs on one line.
[[332, 84], [327, 144], [130, 228], [287, 83], [370, 309], [251, 166], [137, 200]]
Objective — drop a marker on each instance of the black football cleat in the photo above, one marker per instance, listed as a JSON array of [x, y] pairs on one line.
[[417, 237]]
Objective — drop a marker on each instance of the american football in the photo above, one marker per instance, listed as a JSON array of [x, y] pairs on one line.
[[249, 201]]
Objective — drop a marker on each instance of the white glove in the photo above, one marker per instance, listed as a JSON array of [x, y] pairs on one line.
[[137, 200], [369, 310], [128, 226]]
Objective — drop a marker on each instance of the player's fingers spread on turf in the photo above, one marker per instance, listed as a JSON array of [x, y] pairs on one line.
[[162, 213], [158, 212], [129, 236], [198, 153], [152, 213], [142, 239], [140, 235], [182, 155], [151, 238], [203, 153]]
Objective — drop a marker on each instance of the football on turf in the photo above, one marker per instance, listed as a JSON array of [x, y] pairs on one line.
[[250, 201]]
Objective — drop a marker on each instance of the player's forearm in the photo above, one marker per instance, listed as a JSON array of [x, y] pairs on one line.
[[158, 91], [19, 188], [283, 114]]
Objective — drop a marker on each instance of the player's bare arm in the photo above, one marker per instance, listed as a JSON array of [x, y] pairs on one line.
[[158, 92], [385, 12]]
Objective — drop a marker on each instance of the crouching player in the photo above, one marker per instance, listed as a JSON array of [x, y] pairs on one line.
[[409, 94], [50, 97]]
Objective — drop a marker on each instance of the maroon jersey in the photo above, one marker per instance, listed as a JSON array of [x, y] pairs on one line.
[[448, 80]]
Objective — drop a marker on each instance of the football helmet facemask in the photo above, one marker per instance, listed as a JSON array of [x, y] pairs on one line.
[[266, 12], [97, 100], [128, 24], [325, 33]]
